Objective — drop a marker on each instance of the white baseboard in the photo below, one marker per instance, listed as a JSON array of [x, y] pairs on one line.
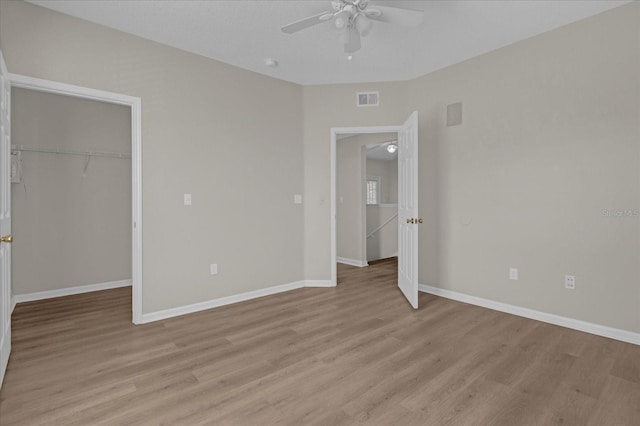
[[13, 305], [318, 283], [196, 307], [5, 350], [352, 262], [30, 297], [597, 329]]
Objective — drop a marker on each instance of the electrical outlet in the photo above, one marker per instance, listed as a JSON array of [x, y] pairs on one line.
[[213, 268], [570, 282], [513, 274]]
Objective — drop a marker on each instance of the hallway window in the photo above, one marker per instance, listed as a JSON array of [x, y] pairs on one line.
[[373, 190]]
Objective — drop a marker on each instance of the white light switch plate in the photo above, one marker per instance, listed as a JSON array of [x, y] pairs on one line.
[[187, 199], [297, 199], [513, 274]]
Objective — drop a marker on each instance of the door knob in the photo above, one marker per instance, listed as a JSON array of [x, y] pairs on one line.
[[7, 239], [419, 220]]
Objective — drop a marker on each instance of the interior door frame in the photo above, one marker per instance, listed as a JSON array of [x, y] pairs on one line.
[[335, 131], [25, 82]]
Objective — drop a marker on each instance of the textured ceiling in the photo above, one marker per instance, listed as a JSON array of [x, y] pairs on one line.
[[244, 33]]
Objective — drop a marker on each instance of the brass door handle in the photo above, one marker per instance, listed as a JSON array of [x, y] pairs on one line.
[[419, 220], [6, 239]]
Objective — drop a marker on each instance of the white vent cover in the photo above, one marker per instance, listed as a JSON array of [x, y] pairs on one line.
[[368, 99]]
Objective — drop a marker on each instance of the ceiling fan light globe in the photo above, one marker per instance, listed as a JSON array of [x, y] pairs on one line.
[[342, 20], [363, 25], [391, 148]]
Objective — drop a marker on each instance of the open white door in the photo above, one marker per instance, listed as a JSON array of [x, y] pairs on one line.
[[5, 219], [408, 209]]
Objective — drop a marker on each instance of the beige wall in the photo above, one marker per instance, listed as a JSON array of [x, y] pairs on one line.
[[351, 220], [387, 171], [230, 137], [384, 243], [326, 107], [550, 139], [70, 228]]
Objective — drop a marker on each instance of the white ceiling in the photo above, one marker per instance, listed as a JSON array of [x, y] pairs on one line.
[[244, 33], [379, 151]]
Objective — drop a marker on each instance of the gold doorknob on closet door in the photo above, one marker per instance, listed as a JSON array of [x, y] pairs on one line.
[[7, 239], [410, 220], [419, 220]]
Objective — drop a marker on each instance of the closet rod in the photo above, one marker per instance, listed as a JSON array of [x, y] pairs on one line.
[[68, 152]]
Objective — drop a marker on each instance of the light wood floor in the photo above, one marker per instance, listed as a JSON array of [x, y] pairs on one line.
[[350, 355]]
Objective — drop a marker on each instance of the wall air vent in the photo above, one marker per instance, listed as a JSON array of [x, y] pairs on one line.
[[368, 99]]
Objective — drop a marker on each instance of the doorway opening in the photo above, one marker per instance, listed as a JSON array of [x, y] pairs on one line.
[[381, 202], [407, 201], [87, 169], [367, 194]]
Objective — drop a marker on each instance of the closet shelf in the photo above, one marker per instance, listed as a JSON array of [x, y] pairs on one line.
[[69, 152]]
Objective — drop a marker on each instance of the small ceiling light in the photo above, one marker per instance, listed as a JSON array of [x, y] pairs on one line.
[[350, 57], [342, 19], [392, 148], [363, 24], [270, 62]]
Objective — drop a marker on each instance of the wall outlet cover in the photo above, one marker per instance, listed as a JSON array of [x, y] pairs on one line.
[[570, 282]]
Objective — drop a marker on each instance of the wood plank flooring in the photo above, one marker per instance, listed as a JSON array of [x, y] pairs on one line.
[[355, 354]]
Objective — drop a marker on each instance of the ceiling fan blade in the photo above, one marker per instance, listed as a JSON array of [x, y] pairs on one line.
[[305, 23], [352, 40], [397, 15]]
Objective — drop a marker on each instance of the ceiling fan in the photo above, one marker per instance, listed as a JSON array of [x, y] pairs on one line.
[[354, 18]]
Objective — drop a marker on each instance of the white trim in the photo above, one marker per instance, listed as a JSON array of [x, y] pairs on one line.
[[333, 134], [3, 66], [49, 86], [5, 353], [352, 262], [13, 305], [319, 283], [215, 303], [588, 327], [50, 294], [5, 331], [135, 104]]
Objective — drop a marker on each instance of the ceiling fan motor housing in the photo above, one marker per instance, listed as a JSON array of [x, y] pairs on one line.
[[354, 19]]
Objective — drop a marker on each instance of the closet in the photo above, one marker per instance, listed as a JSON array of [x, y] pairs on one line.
[[71, 193]]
